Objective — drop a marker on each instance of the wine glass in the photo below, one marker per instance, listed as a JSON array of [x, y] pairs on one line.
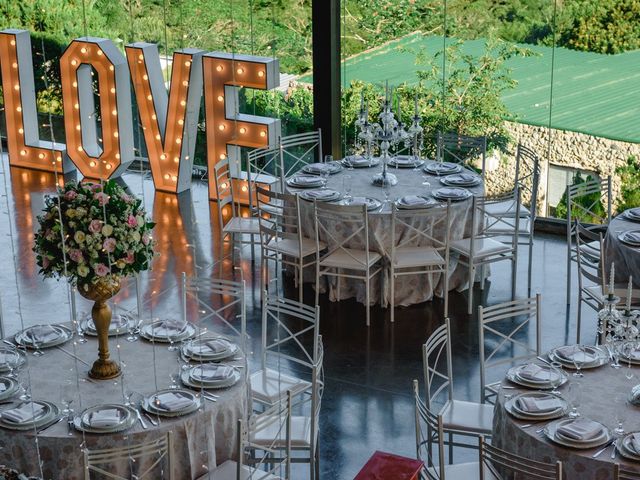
[[25, 384], [555, 376], [132, 326], [13, 362], [575, 397], [67, 395], [577, 362], [80, 327], [620, 402], [425, 179], [346, 185]]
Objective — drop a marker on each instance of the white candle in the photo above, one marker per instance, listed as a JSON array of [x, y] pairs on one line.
[[386, 91], [399, 111], [415, 101], [611, 278], [629, 293], [362, 101]]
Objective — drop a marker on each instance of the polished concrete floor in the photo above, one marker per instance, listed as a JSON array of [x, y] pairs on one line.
[[367, 402]]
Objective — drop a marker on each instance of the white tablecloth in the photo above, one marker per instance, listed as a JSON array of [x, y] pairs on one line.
[[626, 257], [200, 440]]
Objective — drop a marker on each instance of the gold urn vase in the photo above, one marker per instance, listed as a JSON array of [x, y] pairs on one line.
[[103, 368]]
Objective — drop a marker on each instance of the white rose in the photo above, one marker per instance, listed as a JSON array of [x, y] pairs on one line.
[[83, 270], [107, 230], [135, 236], [140, 220], [79, 237]]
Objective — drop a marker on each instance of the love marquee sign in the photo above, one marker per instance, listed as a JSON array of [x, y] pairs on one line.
[[169, 119]]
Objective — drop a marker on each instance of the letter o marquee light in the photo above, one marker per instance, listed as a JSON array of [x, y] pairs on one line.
[[111, 158], [24, 144]]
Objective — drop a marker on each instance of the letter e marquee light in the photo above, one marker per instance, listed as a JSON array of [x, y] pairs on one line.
[[95, 157], [25, 147], [170, 123], [227, 129]]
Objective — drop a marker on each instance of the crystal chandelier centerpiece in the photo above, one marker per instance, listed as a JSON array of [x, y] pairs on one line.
[[615, 325]]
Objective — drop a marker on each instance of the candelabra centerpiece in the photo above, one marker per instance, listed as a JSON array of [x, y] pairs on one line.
[[616, 325]]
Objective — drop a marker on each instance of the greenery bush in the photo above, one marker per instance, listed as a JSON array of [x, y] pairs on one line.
[[630, 179], [591, 202]]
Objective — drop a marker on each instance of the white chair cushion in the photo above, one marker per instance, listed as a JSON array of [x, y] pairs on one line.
[[291, 247], [508, 225], [463, 471], [268, 386], [417, 257], [349, 258], [242, 225], [483, 247], [300, 433], [468, 417], [228, 471], [506, 208]]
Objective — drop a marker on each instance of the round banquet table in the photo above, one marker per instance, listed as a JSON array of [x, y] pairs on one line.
[[625, 257], [410, 289], [599, 386], [200, 440]]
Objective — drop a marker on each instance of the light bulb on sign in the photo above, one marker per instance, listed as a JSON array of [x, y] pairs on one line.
[[108, 166], [243, 130]]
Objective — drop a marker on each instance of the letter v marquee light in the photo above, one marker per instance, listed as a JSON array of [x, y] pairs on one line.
[[25, 147], [169, 122], [227, 129]]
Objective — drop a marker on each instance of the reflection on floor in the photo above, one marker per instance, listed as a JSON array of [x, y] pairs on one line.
[[367, 403]]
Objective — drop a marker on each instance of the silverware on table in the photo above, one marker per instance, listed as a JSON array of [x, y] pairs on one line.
[[615, 448], [42, 429], [144, 425], [70, 426], [151, 419], [606, 445]]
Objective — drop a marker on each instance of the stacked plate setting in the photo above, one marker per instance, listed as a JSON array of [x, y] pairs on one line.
[[305, 181], [442, 168], [119, 324], [356, 161], [210, 376], [325, 195], [330, 168], [537, 406], [8, 387], [107, 418], [410, 202], [461, 180], [580, 433], [43, 336], [585, 355], [454, 194], [370, 202], [629, 446], [29, 415], [405, 161], [165, 331], [210, 349], [10, 356], [535, 376], [633, 214], [631, 238], [171, 403]]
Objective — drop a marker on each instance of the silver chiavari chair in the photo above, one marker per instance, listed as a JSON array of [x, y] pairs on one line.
[[496, 464], [506, 329], [622, 473], [456, 148]]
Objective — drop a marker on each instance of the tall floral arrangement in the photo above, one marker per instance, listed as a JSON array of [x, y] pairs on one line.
[[90, 231]]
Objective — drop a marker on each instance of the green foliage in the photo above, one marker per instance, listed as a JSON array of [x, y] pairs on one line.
[[630, 180], [591, 202]]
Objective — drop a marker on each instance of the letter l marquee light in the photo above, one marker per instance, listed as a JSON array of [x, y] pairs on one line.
[[227, 129], [170, 123], [25, 147]]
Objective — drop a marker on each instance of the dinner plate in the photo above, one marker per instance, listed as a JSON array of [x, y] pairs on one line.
[[512, 407], [625, 447], [556, 375], [550, 432], [50, 412], [601, 358], [128, 416], [624, 237], [305, 181], [633, 214], [427, 202], [185, 377], [455, 194], [372, 203], [193, 351], [442, 168], [119, 325], [461, 180], [150, 406], [8, 353], [8, 387], [147, 332], [63, 334], [326, 195], [319, 168], [357, 161], [405, 161], [512, 376]]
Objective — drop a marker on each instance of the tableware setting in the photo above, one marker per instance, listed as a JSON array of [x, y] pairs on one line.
[[106, 418], [579, 356], [405, 161], [11, 359], [631, 238], [537, 406], [28, 415], [370, 202], [329, 168], [8, 387], [208, 349], [43, 336], [451, 193], [325, 195], [357, 161], [171, 403], [532, 375], [629, 446], [167, 331], [461, 180], [631, 355], [119, 325], [580, 433], [633, 214], [442, 168], [306, 181], [409, 202], [210, 376]]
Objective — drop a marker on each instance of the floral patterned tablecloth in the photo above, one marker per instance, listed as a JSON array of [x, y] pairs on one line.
[[201, 440], [600, 386]]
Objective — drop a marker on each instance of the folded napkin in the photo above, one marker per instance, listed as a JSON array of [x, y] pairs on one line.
[[3, 387], [452, 192], [42, 333], [461, 178], [575, 353], [635, 442], [358, 160], [167, 328], [216, 345], [321, 194], [305, 180], [443, 167], [539, 404], [24, 413], [581, 429], [413, 200], [171, 401], [536, 372], [403, 160], [209, 373], [632, 237], [109, 417]]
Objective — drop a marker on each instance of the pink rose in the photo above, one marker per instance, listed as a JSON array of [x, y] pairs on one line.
[[126, 198], [95, 226], [101, 269], [45, 262], [146, 238], [109, 245], [94, 187], [132, 222], [70, 195], [102, 198], [76, 255], [130, 258]]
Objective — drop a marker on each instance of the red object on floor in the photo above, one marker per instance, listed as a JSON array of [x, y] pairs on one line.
[[387, 466]]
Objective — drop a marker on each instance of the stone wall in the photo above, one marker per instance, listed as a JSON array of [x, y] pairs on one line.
[[568, 149]]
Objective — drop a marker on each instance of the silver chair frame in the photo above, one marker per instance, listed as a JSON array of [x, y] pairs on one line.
[[451, 143], [497, 460]]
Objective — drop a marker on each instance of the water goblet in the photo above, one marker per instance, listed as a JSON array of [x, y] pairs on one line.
[[620, 402], [555, 376], [425, 180], [67, 395], [575, 397], [13, 361], [346, 185], [577, 362], [25, 384], [132, 326], [37, 344]]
